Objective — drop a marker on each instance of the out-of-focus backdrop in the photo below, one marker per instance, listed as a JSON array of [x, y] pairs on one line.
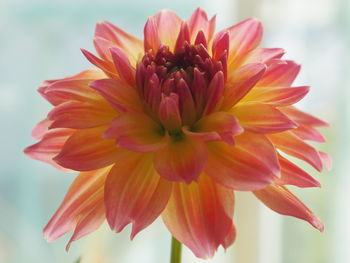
[[40, 39]]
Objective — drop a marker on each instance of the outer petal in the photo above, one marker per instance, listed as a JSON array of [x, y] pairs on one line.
[[280, 74], [80, 115], [200, 215], [278, 96], [241, 82], [131, 45], [282, 201], [137, 132], [87, 150], [119, 94], [80, 208], [152, 41], [292, 145], [183, 159], [135, 193], [292, 174], [263, 55], [123, 66], [262, 118], [41, 128], [168, 24], [302, 117], [250, 165], [50, 145], [244, 37], [309, 133], [199, 22]]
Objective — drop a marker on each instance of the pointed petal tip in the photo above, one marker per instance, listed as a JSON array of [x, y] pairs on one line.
[[317, 223]]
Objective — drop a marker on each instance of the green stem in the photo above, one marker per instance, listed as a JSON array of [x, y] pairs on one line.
[[176, 248]]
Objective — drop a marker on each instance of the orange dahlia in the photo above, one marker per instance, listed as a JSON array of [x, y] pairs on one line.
[[172, 125]]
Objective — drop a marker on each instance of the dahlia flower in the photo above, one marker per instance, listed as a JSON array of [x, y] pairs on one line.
[[172, 125]]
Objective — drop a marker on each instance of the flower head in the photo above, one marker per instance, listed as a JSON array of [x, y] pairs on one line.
[[171, 125]]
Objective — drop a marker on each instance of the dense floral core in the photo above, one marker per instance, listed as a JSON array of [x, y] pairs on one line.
[[183, 77]]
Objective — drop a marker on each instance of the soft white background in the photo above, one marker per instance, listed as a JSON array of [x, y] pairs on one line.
[[40, 39]]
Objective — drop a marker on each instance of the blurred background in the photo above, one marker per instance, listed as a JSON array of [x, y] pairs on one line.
[[40, 39]]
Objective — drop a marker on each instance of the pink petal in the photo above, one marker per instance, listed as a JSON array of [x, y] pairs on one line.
[[278, 96], [120, 95], [183, 159], [123, 66], [244, 37], [137, 132], [280, 75], [134, 193], [326, 160], [50, 145], [152, 41], [169, 112], [250, 164], [80, 115], [215, 91], [262, 118], [292, 174], [200, 215], [81, 207], [41, 128], [199, 21], [87, 150], [282, 201], [309, 133], [302, 117], [263, 55], [132, 46], [240, 83], [292, 145]]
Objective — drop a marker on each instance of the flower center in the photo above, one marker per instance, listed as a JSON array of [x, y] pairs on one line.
[[184, 76]]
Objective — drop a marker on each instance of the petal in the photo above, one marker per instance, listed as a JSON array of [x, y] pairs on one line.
[[137, 132], [199, 21], [244, 37], [292, 174], [168, 24], [200, 215], [223, 124], [132, 46], [183, 159], [152, 41], [309, 133], [282, 201], [119, 94], [41, 128], [280, 74], [80, 115], [326, 160], [263, 55], [134, 193], [87, 150], [169, 112], [82, 204], [214, 94], [292, 145], [123, 66], [241, 82], [277, 96], [50, 145], [302, 117], [262, 118], [249, 165]]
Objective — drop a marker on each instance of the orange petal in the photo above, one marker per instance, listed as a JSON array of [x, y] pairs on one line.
[[132, 46], [263, 55], [244, 37], [277, 96], [183, 159], [282, 201], [87, 150], [292, 174], [302, 117], [120, 95], [199, 22], [250, 164], [51, 144], [165, 20], [280, 74], [218, 126], [82, 209], [137, 132], [200, 215], [152, 41], [134, 193], [81, 115], [292, 145], [262, 118], [241, 82]]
